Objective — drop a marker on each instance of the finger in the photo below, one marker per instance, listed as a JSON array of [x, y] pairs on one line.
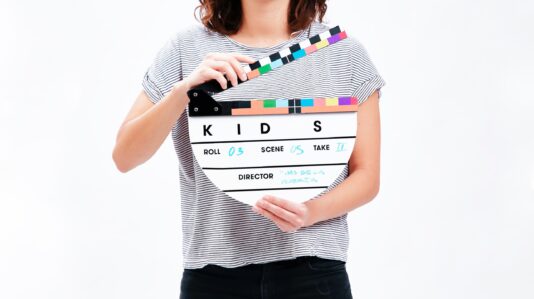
[[243, 58], [233, 61], [225, 67], [281, 223], [238, 68], [286, 204], [213, 74], [282, 213]]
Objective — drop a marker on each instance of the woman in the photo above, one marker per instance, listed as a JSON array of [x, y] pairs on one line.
[[279, 248]]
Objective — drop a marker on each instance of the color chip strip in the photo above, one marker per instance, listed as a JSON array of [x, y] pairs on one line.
[[294, 52], [289, 106]]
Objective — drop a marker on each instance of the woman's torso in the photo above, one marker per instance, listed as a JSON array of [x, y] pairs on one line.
[[220, 230]]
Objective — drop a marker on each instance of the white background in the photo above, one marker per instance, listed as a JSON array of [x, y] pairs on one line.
[[455, 213]]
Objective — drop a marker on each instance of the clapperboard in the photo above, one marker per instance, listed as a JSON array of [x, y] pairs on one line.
[[291, 148]]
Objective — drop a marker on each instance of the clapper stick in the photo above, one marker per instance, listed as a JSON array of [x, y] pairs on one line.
[[201, 101]]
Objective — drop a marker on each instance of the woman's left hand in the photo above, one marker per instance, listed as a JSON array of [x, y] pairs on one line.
[[289, 216]]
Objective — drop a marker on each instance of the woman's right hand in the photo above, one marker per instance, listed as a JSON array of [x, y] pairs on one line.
[[147, 125], [215, 66]]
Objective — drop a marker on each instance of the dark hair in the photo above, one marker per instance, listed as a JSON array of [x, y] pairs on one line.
[[225, 16]]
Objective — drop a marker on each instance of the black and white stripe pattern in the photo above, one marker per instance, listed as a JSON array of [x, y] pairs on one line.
[[216, 228]]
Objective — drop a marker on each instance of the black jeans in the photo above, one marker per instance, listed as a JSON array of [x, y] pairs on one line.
[[307, 277]]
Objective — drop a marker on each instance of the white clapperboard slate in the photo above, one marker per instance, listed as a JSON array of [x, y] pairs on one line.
[[246, 148]]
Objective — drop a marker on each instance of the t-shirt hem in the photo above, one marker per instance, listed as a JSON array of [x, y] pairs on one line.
[[234, 263], [152, 90]]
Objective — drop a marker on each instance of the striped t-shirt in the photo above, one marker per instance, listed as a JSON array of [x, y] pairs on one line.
[[218, 229]]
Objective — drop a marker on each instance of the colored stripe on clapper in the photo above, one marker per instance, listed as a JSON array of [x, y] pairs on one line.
[[289, 106]]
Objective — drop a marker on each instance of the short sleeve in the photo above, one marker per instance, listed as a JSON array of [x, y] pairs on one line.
[[365, 77], [165, 70]]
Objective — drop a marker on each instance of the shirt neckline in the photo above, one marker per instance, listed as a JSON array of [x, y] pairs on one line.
[[281, 44]]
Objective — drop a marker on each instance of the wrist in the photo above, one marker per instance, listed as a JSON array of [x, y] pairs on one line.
[[179, 91], [185, 83], [311, 218]]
